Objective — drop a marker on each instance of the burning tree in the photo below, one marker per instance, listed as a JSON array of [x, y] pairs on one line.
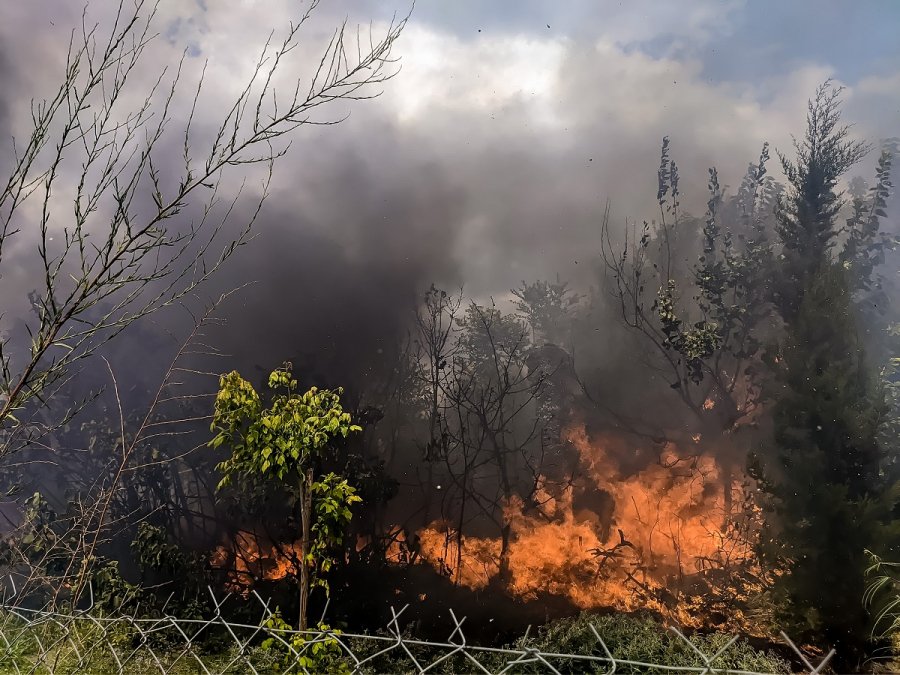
[[532, 503], [485, 435], [708, 347], [285, 442], [707, 326]]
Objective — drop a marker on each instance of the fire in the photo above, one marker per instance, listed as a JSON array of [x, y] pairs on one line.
[[667, 532], [247, 558]]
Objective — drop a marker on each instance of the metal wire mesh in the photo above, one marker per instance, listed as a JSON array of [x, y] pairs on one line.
[[87, 641]]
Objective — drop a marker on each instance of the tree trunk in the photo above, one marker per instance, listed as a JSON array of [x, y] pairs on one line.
[[305, 524], [503, 573], [727, 487]]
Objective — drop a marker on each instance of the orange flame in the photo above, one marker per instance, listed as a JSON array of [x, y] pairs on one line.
[[668, 526], [247, 558]]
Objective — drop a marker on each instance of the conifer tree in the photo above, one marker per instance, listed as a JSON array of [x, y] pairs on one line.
[[827, 494]]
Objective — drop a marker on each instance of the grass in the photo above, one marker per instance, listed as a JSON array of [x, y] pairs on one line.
[[83, 647]]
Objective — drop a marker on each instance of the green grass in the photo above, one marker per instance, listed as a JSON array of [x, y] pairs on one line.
[[87, 649]]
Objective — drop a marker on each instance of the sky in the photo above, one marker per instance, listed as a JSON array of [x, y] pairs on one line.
[[489, 157]]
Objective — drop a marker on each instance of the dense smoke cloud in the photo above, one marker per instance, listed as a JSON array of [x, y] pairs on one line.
[[487, 161]]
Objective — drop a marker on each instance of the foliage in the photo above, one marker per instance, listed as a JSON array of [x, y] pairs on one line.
[[866, 244], [47, 550], [889, 430], [694, 344], [823, 482], [808, 211], [170, 571], [278, 441], [547, 308], [636, 638], [488, 337], [285, 441], [705, 322], [86, 646], [771, 334], [332, 499], [320, 655], [827, 495], [883, 595]]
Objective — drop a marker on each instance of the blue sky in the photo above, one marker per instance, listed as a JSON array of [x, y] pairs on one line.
[[857, 39]]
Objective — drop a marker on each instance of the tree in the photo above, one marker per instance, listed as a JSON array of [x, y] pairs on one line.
[[141, 235], [829, 495], [105, 476], [548, 308], [285, 441], [807, 214], [708, 343], [485, 448], [771, 333], [705, 324], [825, 488]]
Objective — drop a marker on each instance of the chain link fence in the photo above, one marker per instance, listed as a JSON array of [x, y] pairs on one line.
[[88, 641]]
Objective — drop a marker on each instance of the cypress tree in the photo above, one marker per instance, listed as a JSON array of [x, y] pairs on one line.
[[825, 488], [824, 473], [807, 213]]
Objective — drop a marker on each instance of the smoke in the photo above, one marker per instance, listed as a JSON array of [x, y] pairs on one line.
[[485, 163], [339, 265]]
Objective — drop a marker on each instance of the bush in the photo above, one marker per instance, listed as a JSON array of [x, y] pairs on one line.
[[644, 640]]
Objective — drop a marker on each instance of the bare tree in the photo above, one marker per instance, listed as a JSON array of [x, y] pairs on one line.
[[485, 427], [139, 238], [127, 476]]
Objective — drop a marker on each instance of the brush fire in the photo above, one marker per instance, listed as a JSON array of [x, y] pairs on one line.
[[667, 541], [663, 539]]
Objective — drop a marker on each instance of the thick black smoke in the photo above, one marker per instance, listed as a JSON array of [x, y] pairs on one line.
[[336, 294]]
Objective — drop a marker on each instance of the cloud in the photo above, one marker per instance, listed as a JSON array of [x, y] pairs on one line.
[[486, 161]]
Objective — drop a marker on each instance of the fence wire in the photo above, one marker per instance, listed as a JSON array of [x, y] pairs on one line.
[[87, 641]]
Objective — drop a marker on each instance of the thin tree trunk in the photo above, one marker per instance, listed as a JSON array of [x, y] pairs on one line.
[[305, 524], [728, 491], [503, 573], [459, 533]]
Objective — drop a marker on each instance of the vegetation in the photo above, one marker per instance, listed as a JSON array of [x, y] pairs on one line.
[[831, 496], [114, 261], [285, 441], [627, 638]]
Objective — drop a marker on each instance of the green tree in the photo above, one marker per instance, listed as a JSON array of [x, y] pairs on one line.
[[285, 441], [828, 496], [807, 213], [825, 488]]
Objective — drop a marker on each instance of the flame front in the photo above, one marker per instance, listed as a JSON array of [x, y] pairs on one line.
[[668, 537]]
